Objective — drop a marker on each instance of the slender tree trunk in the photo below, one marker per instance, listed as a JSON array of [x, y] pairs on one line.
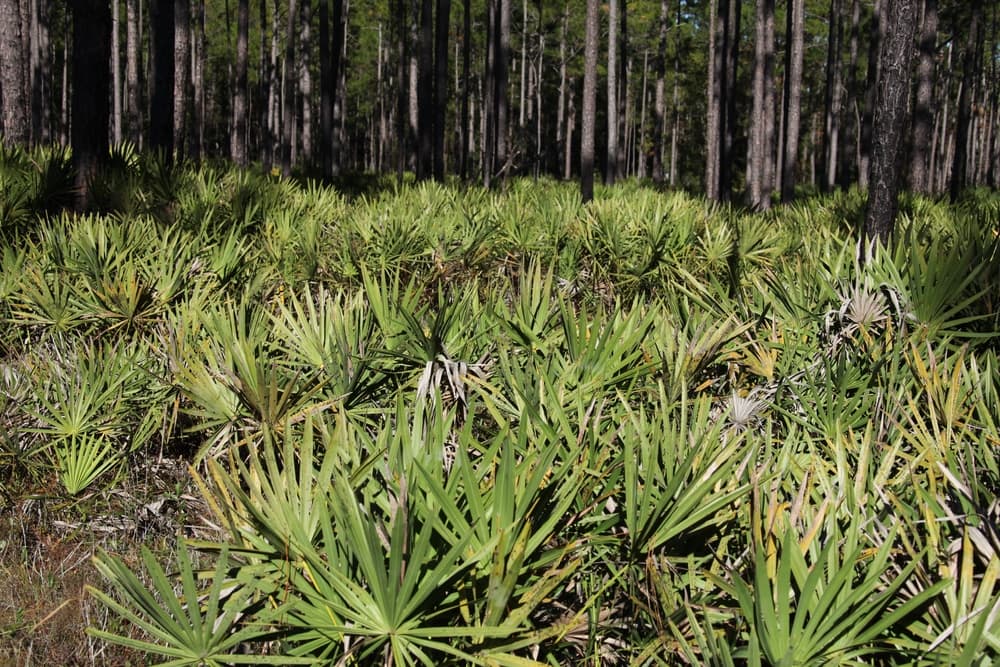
[[831, 130], [238, 140], [503, 94], [718, 10], [524, 65], [728, 125], [610, 170], [40, 72], [624, 96], [890, 120], [570, 129], [265, 91], [871, 86], [763, 51], [161, 107], [561, 136], [849, 149], [793, 91], [305, 84], [589, 118], [675, 105], [489, 94], [13, 48], [923, 113], [441, 85], [91, 84], [401, 89], [64, 102], [325, 89], [132, 46], [425, 91], [660, 103], [182, 71], [116, 75], [288, 90], [959, 166], [466, 128], [197, 132], [641, 152]]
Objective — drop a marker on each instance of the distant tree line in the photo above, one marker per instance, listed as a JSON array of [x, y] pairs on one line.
[[744, 100]]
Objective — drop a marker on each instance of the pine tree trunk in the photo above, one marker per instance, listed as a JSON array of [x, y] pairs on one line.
[[890, 120], [831, 129], [793, 92], [923, 113], [182, 71], [116, 75], [660, 100], [760, 97], [849, 148], [728, 125], [425, 91], [288, 90], [610, 172], [624, 98], [871, 86], [40, 71], [466, 128], [503, 93], [305, 85], [561, 135], [959, 166], [132, 47], [401, 89], [440, 85], [589, 111], [197, 133], [238, 140], [161, 108], [716, 37], [91, 92], [12, 51]]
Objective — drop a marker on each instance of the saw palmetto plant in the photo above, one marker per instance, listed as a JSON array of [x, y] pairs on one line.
[[443, 426]]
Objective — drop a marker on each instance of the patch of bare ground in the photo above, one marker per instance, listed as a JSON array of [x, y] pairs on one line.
[[46, 546]]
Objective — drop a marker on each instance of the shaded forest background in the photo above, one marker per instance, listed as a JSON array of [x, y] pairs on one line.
[[733, 99]]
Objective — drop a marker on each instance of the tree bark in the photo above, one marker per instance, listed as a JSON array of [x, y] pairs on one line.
[[793, 96], [91, 92], [890, 120], [763, 112], [503, 93], [196, 134], [116, 75], [40, 72], [305, 85], [132, 46], [832, 99], [610, 170], [425, 91], [440, 85], [728, 124], [182, 71], [238, 140], [716, 38], [562, 138], [288, 90], [401, 88], [589, 111], [12, 66], [923, 113], [161, 108], [871, 86], [624, 96], [660, 103], [959, 166], [466, 89]]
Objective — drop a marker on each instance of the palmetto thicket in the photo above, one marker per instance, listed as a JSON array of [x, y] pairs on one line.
[[450, 427]]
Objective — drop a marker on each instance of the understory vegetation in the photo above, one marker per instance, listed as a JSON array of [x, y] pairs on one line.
[[245, 420]]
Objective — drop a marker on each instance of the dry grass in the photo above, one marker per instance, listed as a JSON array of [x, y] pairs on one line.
[[46, 544]]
